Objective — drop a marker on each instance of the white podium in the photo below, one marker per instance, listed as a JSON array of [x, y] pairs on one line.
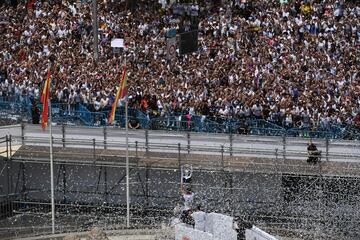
[[217, 227]]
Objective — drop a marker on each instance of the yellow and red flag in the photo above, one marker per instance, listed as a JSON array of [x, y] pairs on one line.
[[45, 101], [121, 93]]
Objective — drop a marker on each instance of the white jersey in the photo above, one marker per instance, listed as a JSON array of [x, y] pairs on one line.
[[189, 199]]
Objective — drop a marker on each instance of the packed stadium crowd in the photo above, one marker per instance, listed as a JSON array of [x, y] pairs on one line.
[[295, 63]]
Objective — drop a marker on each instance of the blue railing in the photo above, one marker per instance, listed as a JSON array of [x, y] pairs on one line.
[[81, 115], [19, 105]]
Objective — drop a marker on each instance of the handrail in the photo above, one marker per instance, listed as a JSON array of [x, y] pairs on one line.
[[141, 146], [10, 126], [82, 115]]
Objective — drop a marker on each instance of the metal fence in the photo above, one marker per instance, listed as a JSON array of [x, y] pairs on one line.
[[284, 147], [80, 115]]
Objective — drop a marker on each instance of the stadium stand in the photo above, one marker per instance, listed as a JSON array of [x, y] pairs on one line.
[[288, 64]]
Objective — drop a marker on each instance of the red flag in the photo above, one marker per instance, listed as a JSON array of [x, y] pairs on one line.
[[45, 101], [121, 93]]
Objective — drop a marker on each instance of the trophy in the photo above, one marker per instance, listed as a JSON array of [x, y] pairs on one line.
[[186, 173]]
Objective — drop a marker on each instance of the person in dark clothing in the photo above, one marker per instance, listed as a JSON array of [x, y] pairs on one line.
[[313, 152], [134, 123], [240, 226], [35, 113], [14, 3]]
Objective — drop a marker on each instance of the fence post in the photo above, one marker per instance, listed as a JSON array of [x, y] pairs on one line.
[[63, 134], [63, 168], [94, 149], [222, 157], [10, 147], [179, 155], [188, 142], [8, 165], [11, 205], [327, 148], [22, 133], [136, 149], [147, 142], [284, 146], [105, 137], [106, 186], [231, 144], [179, 159], [7, 146], [10, 162]]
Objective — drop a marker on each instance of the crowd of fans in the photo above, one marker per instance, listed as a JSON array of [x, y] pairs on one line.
[[294, 63]]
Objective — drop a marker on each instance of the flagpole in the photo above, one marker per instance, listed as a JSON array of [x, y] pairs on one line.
[[127, 162], [127, 168], [51, 170]]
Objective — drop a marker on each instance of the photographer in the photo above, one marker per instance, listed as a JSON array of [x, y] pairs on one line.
[[313, 153]]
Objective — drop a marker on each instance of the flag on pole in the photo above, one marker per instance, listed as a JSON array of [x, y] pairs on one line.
[[121, 93], [45, 101]]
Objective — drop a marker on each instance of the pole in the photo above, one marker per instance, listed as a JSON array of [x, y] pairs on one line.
[[127, 167], [95, 30], [127, 163], [22, 133], [284, 146], [179, 155], [222, 157], [9, 182], [10, 161], [51, 172], [147, 143], [63, 134], [188, 142], [105, 137], [231, 144], [327, 148]]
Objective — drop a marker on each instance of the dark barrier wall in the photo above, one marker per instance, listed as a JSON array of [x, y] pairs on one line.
[[149, 187], [3, 178], [310, 203]]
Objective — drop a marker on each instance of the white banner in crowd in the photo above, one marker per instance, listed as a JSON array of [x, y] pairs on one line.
[[171, 47], [117, 43]]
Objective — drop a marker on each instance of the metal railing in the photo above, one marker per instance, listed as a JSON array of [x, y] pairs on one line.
[[80, 115], [148, 141]]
